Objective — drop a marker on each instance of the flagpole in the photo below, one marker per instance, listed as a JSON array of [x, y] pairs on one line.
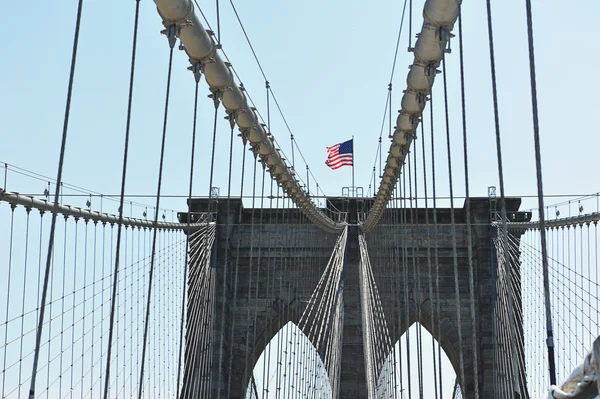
[[353, 158]]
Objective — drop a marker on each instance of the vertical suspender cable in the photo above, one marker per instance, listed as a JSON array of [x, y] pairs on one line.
[[113, 298], [435, 249], [453, 223], [429, 275], [406, 274], [414, 224], [40, 325], [499, 156], [468, 212], [156, 211], [267, 354], [236, 276], [231, 118], [258, 261], [187, 241], [215, 97], [249, 296], [538, 167]]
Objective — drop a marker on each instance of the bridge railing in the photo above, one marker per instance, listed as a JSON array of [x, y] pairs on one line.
[[574, 292], [74, 343]]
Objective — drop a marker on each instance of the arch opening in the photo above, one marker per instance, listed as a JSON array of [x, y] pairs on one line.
[[289, 366], [413, 374]]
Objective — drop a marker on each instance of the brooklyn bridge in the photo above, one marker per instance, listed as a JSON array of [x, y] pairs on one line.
[[189, 253]]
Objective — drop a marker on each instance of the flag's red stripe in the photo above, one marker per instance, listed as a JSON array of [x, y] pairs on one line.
[[339, 166], [335, 160], [342, 161], [340, 158]]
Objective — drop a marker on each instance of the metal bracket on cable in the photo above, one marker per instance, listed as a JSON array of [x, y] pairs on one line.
[[171, 33], [231, 118], [244, 135], [200, 45], [196, 69], [215, 95]]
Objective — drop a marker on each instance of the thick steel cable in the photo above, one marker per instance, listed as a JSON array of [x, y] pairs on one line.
[[227, 253], [159, 186], [277, 280], [211, 321], [236, 275], [366, 313], [389, 355], [258, 261], [397, 262], [417, 277], [214, 141], [199, 289], [121, 200], [392, 269], [498, 141], [413, 258], [511, 316], [288, 262], [453, 223], [406, 273], [538, 168], [516, 319], [187, 241], [429, 265], [580, 290], [200, 278], [267, 352], [63, 144], [252, 224], [475, 342], [278, 366]]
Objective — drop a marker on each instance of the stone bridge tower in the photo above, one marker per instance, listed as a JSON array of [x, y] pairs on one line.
[[287, 253]]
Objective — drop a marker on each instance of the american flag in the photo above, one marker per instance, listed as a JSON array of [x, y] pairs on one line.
[[340, 155]]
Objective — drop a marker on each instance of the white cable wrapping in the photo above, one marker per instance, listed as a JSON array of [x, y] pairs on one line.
[[439, 17], [181, 20]]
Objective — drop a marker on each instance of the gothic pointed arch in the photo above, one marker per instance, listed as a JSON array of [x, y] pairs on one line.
[[287, 365]]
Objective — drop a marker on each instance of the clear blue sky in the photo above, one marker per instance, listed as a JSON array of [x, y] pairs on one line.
[[329, 65]]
